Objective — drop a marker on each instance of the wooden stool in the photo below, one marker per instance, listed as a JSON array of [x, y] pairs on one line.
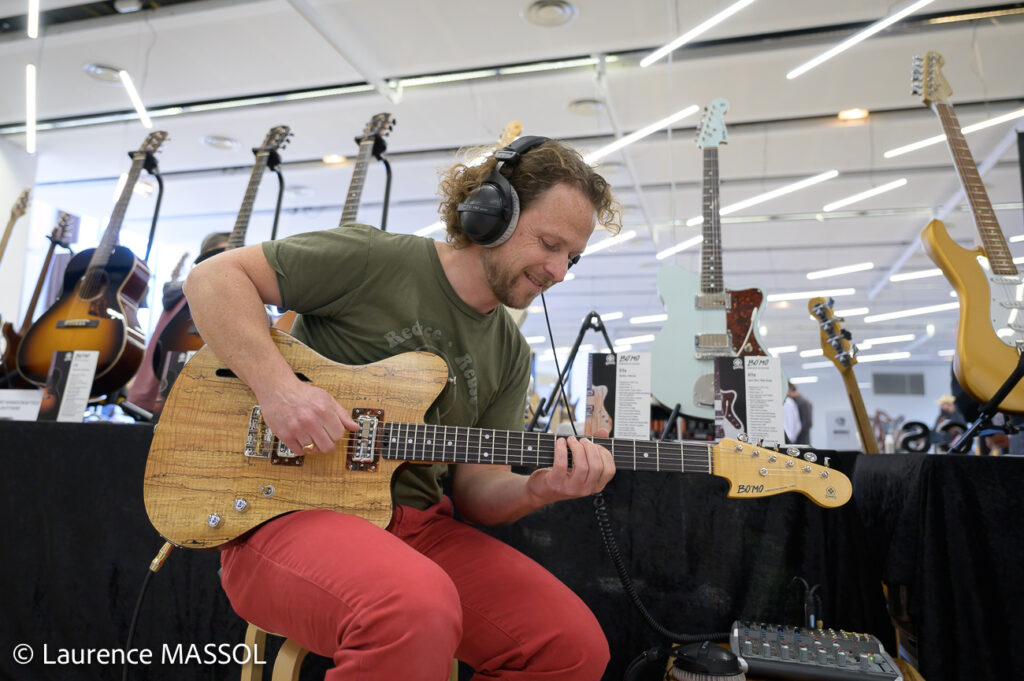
[[289, 659]]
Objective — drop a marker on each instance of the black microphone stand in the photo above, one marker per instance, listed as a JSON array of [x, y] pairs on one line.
[[984, 419], [274, 163], [592, 322], [153, 169]]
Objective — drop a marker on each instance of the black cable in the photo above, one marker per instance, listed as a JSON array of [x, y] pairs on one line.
[[604, 525], [154, 566]]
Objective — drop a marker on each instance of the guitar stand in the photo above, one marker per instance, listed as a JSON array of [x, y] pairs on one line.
[[274, 163], [984, 419], [591, 322], [670, 424], [119, 399], [379, 147], [153, 169]]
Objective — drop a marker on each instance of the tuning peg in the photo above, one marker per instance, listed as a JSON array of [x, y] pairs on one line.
[[917, 59], [846, 334]]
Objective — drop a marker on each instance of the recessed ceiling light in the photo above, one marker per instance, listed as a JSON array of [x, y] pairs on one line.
[[853, 114], [333, 159], [108, 75], [550, 13], [586, 106], [221, 142]]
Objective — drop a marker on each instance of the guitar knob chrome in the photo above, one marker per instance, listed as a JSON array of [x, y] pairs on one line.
[[213, 520], [241, 505], [811, 456], [792, 451], [267, 490], [742, 437]]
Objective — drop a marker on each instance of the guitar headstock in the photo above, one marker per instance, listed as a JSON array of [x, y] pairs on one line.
[[381, 124], [513, 130], [176, 272], [711, 130], [927, 80], [276, 139], [835, 340], [21, 205], [153, 141], [764, 469], [61, 234]]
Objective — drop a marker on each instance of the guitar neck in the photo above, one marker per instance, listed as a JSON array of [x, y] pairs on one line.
[[101, 256], [237, 238], [355, 187], [7, 235], [31, 312], [711, 248], [996, 248], [452, 444], [860, 414]]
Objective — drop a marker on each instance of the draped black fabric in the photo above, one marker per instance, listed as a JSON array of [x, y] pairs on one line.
[[77, 543]]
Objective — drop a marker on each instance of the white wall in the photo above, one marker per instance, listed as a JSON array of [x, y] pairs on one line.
[[17, 172]]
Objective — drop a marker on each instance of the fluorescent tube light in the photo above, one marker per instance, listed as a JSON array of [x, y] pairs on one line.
[[781, 349], [903, 338], [812, 353], [30, 108], [966, 130], [610, 316], [694, 32], [33, 19], [429, 229], [625, 140], [806, 295], [767, 196], [845, 269], [816, 365], [681, 246], [918, 274], [852, 312], [797, 380], [133, 95], [1015, 239], [888, 187], [947, 353], [634, 340], [857, 37], [534, 340], [913, 312], [883, 357], [609, 242], [648, 319]]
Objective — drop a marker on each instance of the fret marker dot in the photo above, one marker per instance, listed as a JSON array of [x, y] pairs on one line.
[[410, 440], [449, 443], [394, 439], [646, 455], [428, 442], [529, 448], [487, 437], [486, 455]]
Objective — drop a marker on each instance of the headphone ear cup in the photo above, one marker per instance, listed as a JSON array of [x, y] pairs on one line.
[[482, 213]]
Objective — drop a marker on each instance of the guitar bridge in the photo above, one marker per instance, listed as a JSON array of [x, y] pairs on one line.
[[364, 447], [260, 443]]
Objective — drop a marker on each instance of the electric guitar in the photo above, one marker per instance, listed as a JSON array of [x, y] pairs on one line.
[[58, 237], [371, 143], [215, 471], [179, 334], [97, 307], [836, 345], [17, 210], [988, 285], [702, 313]]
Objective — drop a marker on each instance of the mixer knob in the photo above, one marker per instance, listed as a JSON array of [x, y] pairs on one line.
[[803, 654]]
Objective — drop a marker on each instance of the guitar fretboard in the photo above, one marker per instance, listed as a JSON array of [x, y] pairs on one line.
[[237, 238], [452, 444], [996, 248], [711, 248], [355, 187]]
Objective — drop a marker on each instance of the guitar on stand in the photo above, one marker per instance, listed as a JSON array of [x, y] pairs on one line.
[[180, 334], [836, 345], [97, 307], [17, 211], [372, 143], [58, 237], [990, 333], [702, 313]]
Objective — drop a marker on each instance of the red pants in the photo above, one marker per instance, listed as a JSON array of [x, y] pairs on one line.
[[401, 603]]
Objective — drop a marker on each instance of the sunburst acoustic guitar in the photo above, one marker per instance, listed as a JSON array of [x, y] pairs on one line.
[[988, 285], [97, 308], [215, 471], [705, 320], [836, 346]]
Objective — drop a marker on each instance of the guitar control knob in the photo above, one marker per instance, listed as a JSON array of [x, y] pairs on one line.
[[267, 490], [803, 654], [821, 656], [748, 648], [241, 505], [213, 520], [766, 649], [865, 661], [841, 658], [784, 651]]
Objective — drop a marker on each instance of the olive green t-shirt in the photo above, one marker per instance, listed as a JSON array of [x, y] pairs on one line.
[[363, 295]]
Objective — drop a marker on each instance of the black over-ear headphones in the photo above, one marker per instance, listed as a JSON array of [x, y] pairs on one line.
[[489, 215]]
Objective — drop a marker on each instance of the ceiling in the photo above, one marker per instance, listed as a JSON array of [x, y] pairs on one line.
[[779, 131]]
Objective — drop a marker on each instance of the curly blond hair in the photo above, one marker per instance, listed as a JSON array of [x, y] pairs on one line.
[[538, 170]]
